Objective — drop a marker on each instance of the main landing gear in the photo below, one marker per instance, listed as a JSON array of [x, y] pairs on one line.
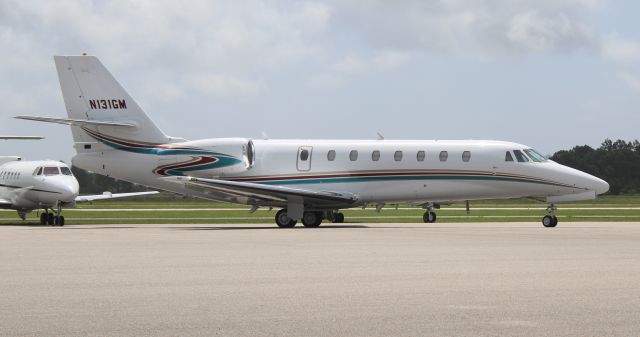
[[309, 218], [550, 220], [53, 218]]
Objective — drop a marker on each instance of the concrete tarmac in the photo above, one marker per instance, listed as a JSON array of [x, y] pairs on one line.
[[489, 279]]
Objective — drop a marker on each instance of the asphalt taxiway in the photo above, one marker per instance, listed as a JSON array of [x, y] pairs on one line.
[[487, 279]]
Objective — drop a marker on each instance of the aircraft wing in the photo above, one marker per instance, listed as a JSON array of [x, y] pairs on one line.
[[4, 203], [21, 137], [264, 195], [108, 195]]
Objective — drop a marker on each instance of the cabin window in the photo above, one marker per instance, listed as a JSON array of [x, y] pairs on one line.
[[353, 155], [375, 155], [66, 171], [466, 156], [304, 155], [421, 155], [535, 156], [331, 155], [397, 156], [508, 156], [444, 155], [51, 171], [520, 156]]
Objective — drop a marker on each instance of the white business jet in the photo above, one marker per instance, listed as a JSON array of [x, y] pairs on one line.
[[46, 184], [310, 180]]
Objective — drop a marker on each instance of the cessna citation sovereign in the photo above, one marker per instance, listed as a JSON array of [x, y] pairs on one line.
[[309, 180], [46, 184]]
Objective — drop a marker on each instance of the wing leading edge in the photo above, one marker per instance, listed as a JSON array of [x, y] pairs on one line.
[[108, 195]]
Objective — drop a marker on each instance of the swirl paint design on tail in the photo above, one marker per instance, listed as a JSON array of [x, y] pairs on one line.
[[201, 159]]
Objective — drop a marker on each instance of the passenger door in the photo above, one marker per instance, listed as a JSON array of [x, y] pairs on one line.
[[304, 158]]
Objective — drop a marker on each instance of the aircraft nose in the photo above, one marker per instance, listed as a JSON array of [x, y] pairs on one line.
[[598, 185], [68, 190]]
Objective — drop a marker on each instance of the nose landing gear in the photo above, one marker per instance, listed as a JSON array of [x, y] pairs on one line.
[[550, 220], [53, 218], [430, 216]]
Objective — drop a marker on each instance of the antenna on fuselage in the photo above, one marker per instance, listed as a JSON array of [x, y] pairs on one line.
[[380, 136]]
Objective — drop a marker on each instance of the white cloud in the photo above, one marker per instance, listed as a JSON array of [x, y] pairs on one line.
[[632, 81], [224, 85], [491, 27], [619, 49]]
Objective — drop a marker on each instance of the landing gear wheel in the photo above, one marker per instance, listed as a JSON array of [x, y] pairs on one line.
[[549, 221], [43, 219], [312, 219], [429, 217], [61, 221], [283, 220], [338, 218], [50, 219]]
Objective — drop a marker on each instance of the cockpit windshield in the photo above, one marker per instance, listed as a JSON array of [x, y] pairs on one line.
[[535, 156], [51, 171], [520, 156], [66, 171]]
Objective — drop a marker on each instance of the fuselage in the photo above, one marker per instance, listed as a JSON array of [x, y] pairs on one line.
[[29, 185], [377, 171]]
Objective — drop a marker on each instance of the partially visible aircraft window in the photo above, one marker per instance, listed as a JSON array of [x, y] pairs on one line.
[[508, 156], [304, 155], [421, 155], [375, 155], [51, 171], [397, 156], [444, 155], [535, 156], [66, 171], [35, 172], [520, 156], [353, 155], [466, 156], [331, 155]]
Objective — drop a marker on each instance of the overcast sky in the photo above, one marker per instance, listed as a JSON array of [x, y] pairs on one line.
[[548, 73]]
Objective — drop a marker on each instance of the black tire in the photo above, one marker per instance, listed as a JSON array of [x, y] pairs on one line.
[[312, 219], [283, 221], [338, 218], [429, 217], [43, 219], [61, 221], [549, 221], [50, 219]]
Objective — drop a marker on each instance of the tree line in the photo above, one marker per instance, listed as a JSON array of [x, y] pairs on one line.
[[617, 162]]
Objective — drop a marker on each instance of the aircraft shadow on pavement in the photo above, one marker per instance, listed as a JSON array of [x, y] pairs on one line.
[[201, 228]]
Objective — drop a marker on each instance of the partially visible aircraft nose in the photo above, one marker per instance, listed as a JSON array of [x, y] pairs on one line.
[[599, 185]]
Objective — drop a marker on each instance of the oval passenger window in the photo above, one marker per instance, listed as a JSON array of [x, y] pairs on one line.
[[331, 155], [304, 155], [466, 156]]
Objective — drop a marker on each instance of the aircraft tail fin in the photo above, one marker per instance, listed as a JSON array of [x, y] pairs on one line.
[[91, 93]]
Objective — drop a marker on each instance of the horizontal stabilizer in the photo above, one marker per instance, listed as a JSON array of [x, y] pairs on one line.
[[21, 137], [72, 121], [109, 195]]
